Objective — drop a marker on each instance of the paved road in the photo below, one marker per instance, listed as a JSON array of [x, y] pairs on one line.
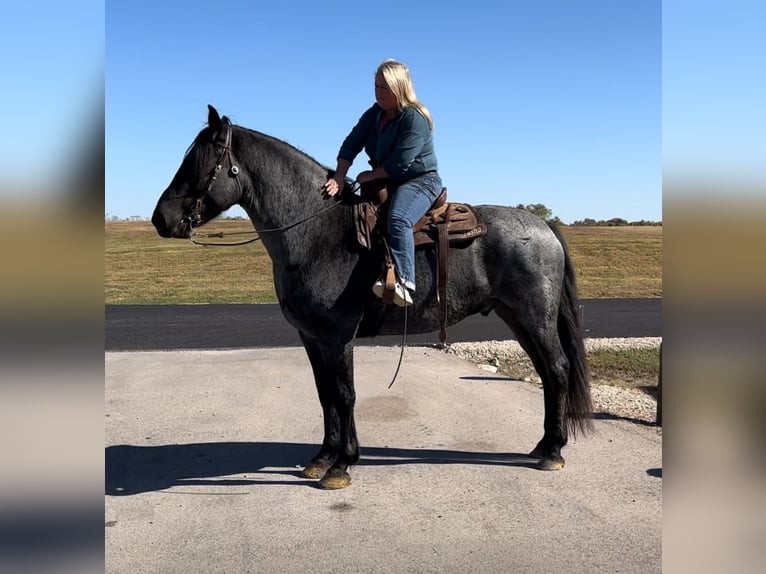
[[202, 449], [160, 327]]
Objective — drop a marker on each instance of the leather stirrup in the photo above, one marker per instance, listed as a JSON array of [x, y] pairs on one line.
[[390, 284]]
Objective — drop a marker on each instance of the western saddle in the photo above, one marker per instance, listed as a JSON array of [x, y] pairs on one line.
[[444, 224]]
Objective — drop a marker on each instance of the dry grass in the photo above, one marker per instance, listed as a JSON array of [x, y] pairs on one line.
[[613, 262], [141, 267]]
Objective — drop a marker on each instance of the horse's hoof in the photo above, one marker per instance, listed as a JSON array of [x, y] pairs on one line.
[[551, 463], [335, 479], [315, 470]]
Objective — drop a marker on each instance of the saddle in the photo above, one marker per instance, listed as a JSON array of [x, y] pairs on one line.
[[444, 224]]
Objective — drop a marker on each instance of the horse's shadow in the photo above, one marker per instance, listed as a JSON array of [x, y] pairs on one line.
[[135, 469]]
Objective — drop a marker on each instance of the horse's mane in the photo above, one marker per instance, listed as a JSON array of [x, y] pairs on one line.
[[279, 143]]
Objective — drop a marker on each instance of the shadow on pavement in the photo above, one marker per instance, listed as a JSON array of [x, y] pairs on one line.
[[133, 469], [612, 417]]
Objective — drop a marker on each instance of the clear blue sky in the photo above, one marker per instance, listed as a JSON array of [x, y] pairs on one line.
[[552, 101]]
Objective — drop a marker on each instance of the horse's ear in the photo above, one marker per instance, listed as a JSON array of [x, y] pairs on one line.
[[213, 119]]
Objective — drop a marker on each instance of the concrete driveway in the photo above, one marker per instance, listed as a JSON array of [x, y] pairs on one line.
[[203, 450]]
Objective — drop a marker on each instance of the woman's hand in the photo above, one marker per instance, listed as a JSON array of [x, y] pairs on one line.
[[333, 186]]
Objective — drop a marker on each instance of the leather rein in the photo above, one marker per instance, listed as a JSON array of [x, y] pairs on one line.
[[194, 218]]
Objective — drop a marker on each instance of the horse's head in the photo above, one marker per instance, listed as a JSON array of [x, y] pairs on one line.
[[206, 184]]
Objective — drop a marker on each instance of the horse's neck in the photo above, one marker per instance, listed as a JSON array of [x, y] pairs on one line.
[[286, 190]]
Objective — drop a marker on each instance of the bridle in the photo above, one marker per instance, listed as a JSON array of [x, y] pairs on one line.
[[195, 214], [194, 217]]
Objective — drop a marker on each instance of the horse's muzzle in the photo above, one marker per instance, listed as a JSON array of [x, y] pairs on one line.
[[158, 220], [179, 229]]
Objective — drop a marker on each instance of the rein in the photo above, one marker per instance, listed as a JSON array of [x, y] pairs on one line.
[[195, 215], [220, 234], [401, 352]]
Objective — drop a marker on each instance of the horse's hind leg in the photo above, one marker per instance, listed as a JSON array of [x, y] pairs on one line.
[[333, 367], [540, 340]]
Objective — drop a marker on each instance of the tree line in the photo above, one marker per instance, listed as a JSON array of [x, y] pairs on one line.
[[546, 213]]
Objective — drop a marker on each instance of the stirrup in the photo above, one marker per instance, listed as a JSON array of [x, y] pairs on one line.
[[391, 290]]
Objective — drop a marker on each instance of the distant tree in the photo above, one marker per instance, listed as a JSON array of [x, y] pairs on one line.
[[614, 222], [538, 209], [645, 222]]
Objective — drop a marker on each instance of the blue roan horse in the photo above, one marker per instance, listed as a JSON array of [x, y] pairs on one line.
[[520, 270]]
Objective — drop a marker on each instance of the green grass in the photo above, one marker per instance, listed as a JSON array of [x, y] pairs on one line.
[[630, 368], [626, 368]]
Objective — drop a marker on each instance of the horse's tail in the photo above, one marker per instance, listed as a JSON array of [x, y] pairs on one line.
[[578, 412]]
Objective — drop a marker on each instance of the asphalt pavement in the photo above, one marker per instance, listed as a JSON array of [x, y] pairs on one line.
[[204, 448], [164, 327]]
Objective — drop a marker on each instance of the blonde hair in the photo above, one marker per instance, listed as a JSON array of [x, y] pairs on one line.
[[397, 77]]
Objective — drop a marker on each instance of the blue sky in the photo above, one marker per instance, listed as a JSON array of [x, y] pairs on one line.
[[553, 101]]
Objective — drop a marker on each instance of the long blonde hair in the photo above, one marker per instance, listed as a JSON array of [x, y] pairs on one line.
[[397, 77]]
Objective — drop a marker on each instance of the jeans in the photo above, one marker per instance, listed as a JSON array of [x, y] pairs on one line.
[[409, 203]]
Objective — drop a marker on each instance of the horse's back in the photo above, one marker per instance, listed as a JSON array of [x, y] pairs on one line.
[[514, 223]]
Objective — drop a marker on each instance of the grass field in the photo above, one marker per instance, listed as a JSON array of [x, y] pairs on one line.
[[143, 268]]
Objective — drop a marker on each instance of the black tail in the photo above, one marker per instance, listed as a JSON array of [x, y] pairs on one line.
[[579, 405]]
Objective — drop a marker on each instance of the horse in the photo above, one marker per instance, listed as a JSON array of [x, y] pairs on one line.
[[520, 269]]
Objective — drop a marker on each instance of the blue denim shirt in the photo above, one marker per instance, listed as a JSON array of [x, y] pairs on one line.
[[404, 147]]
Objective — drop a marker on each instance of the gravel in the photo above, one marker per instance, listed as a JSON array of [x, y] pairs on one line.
[[617, 402]]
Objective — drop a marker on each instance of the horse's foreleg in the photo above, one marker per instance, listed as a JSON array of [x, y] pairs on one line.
[[337, 475], [328, 453], [333, 369]]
